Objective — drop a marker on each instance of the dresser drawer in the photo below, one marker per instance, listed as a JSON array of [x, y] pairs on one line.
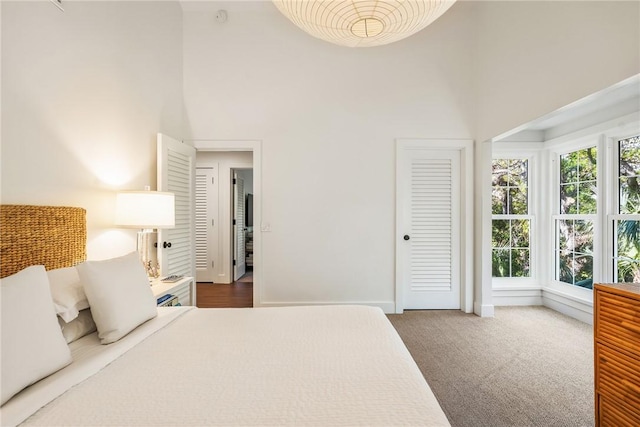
[[619, 377], [613, 415], [618, 322]]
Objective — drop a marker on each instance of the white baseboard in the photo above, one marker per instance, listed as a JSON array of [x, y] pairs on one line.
[[483, 310], [389, 307], [516, 296], [567, 304]]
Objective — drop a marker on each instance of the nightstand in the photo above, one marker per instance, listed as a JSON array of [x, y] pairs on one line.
[[184, 289]]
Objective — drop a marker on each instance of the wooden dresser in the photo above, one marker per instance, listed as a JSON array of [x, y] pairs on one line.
[[617, 354]]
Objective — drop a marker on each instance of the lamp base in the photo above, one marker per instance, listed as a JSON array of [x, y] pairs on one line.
[[147, 249]]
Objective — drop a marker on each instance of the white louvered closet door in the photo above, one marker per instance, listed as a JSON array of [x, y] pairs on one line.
[[206, 223], [176, 174], [239, 263], [430, 225]]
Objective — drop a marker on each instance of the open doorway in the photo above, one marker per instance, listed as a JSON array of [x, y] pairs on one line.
[[242, 225], [224, 239]]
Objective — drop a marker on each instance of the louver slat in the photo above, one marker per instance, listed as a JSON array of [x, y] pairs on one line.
[[179, 173], [201, 222], [240, 244], [431, 212]]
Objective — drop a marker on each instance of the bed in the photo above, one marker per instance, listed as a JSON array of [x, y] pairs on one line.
[[319, 365]]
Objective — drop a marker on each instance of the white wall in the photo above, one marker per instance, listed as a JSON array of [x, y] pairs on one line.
[[223, 158], [84, 93], [328, 117], [537, 56]]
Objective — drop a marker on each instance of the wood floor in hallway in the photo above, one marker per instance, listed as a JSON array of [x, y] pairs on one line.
[[219, 295]]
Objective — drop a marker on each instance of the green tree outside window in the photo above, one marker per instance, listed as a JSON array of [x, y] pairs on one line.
[[628, 231], [511, 254], [574, 233]]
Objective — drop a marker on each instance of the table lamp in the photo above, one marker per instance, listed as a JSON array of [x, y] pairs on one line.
[[146, 210]]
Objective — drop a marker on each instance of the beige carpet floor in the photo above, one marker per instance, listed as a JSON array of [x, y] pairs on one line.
[[528, 366]]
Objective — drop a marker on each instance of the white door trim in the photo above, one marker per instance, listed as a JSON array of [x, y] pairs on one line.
[[254, 146], [467, 208]]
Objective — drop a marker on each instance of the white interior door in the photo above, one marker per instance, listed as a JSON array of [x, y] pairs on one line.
[[239, 264], [207, 225], [176, 174], [429, 228]]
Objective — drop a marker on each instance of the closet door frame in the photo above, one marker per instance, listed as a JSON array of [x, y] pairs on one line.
[[403, 148]]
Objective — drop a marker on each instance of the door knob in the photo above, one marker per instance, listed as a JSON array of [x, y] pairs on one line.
[[166, 245], [406, 237]]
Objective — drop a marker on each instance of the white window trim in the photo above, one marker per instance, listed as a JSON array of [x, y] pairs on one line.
[[554, 180], [544, 194], [609, 247], [604, 133], [530, 152]]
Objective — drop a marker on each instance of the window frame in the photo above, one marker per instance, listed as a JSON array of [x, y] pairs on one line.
[[521, 151], [557, 150], [613, 203], [543, 150]]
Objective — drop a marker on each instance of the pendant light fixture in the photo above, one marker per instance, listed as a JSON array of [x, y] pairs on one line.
[[362, 23]]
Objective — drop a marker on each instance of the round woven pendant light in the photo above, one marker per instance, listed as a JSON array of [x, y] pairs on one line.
[[362, 23]]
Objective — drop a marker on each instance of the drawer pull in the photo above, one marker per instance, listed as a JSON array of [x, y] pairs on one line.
[[631, 326], [631, 386]]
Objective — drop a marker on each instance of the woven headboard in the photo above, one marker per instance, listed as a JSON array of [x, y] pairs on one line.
[[53, 236]]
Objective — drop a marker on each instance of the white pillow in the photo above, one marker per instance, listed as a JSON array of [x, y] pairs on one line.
[[68, 294], [119, 294], [32, 344], [78, 327]]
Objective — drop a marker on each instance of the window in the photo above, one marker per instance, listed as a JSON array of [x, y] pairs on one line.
[[511, 219], [627, 222], [576, 217]]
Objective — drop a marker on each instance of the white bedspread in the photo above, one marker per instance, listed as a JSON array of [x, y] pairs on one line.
[[334, 365], [89, 357]]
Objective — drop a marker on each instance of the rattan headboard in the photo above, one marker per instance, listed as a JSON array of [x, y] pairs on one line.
[[53, 236]]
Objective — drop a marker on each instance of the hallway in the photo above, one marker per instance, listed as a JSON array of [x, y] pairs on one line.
[[219, 295]]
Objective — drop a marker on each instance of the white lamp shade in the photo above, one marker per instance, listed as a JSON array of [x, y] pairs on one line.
[[362, 23], [145, 209]]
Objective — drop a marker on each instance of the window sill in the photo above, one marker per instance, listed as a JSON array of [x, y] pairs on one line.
[[578, 294]]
